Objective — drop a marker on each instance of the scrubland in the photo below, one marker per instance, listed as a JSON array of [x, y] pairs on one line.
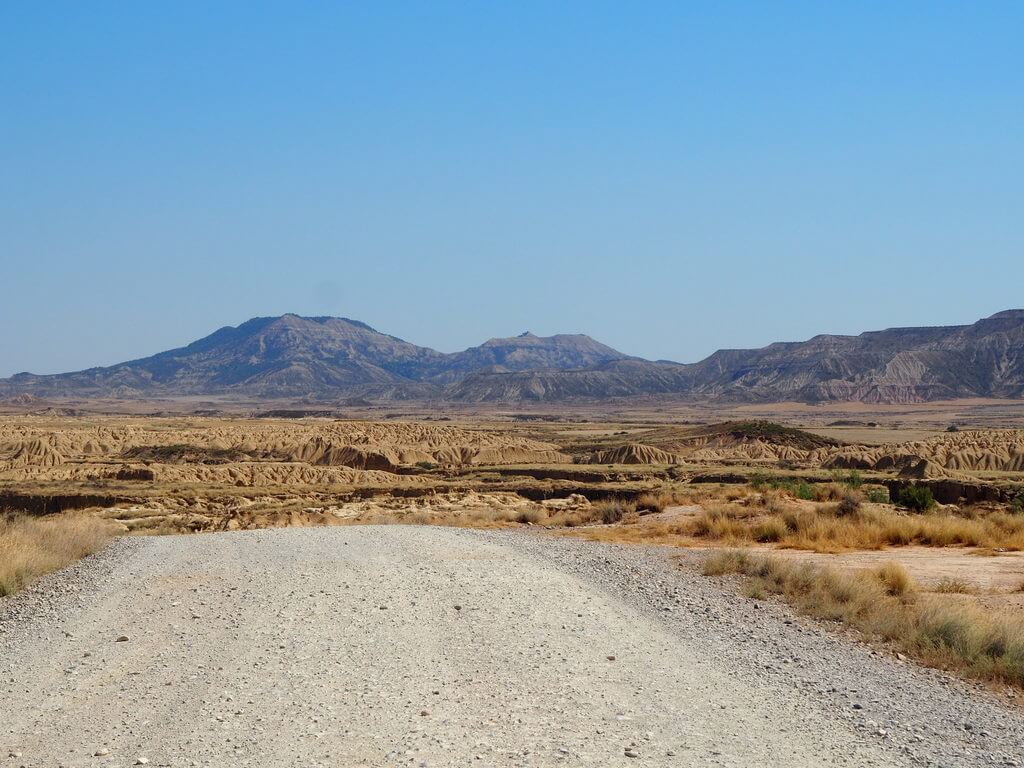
[[32, 547], [753, 487], [885, 604]]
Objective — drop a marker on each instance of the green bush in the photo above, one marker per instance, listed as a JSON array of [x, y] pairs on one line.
[[916, 497], [878, 495], [805, 491], [1017, 505], [759, 479], [852, 479]]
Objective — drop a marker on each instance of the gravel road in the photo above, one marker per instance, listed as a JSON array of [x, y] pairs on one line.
[[421, 646]]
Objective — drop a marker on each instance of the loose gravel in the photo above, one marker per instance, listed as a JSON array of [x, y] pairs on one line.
[[421, 646]]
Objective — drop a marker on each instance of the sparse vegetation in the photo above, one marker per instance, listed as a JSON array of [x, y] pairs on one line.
[[848, 505], [658, 502], [32, 547], [805, 491], [884, 604], [612, 510], [825, 527], [878, 495], [916, 497], [852, 479], [950, 585]]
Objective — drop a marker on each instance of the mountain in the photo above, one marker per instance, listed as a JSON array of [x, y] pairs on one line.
[[527, 352], [292, 356], [327, 357], [266, 356], [618, 378], [898, 365]]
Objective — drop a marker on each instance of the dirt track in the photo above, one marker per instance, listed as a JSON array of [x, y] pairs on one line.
[[432, 646]]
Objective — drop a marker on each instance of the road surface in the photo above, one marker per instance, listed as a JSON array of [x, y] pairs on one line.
[[423, 646]]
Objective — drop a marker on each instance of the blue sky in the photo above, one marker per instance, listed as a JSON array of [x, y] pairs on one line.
[[670, 178]]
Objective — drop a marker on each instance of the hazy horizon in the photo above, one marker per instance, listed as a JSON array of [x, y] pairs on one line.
[[668, 180]]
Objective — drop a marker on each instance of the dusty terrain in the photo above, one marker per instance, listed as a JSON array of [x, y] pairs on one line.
[[828, 488], [425, 646]]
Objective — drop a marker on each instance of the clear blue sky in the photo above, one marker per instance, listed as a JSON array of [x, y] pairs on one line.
[[670, 178]]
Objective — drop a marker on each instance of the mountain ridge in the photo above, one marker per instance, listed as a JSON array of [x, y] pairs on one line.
[[329, 357]]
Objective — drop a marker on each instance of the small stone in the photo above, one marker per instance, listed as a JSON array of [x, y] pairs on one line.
[[142, 761], [424, 713], [122, 639], [610, 658], [458, 607], [103, 752], [630, 752]]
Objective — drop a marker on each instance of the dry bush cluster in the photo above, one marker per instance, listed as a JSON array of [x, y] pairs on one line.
[[884, 604], [31, 547], [849, 523]]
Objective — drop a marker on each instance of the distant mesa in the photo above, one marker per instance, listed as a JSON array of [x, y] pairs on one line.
[[319, 359]]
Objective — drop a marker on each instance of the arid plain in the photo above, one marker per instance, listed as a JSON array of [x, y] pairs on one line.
[[895, 529], [763, 477]]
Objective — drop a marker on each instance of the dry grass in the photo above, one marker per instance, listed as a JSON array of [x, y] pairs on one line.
[[662, 500], [31, 547], [953, 586], [884, 604], [847, 525]]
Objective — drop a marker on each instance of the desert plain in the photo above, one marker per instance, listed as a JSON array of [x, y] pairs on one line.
[[851, 574]]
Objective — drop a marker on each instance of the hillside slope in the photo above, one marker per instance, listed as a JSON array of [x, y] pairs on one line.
[[897, 365]]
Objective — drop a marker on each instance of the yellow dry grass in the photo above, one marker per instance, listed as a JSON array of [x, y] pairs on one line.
[[823, 527], [31, 547], [884, 604]]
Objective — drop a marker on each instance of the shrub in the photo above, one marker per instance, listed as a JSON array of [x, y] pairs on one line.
[[1017, 505], [916, 497], [878, 495], [952, 428], [805, 491], [852, 479], [759, 479], [848, 505], [953, 586], [530, 515], [657, 502], [31, 547], [894, 578], [770, 531], [427, 465], [883, 603], [829, 492], [727, 561], [612, 510]]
